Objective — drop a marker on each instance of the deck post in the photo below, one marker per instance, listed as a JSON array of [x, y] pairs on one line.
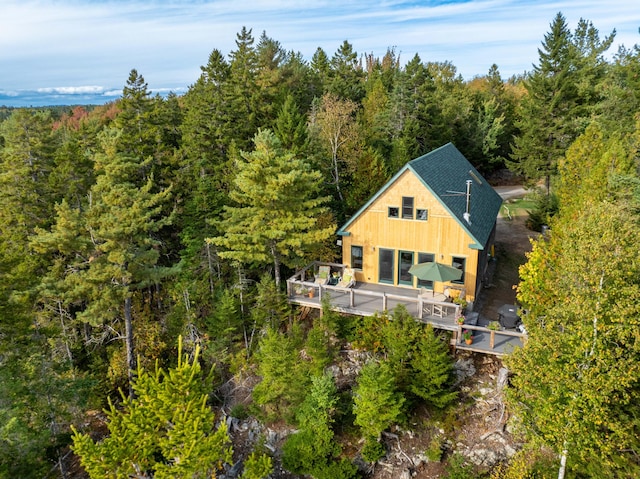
[[351, 298], [320, 294], [492, 339], [384, 301], [420, 307]]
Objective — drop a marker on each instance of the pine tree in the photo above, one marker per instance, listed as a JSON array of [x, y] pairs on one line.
[[278, 208], [166, 431]]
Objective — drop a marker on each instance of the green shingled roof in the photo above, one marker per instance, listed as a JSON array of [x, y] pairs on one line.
[[444, 172]]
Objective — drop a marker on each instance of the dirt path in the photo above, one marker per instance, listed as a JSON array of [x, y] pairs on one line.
[[512, 241]]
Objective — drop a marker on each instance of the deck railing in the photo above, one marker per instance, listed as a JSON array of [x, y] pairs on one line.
[[441, 314], [492, 334], [425, 307]]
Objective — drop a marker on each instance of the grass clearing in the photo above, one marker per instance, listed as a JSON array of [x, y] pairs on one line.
[[517, 207]]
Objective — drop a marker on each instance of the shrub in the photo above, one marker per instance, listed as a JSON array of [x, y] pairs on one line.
[[373, 450], [434, 452]]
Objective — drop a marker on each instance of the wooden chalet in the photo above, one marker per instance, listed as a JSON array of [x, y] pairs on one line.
[[437, 208]]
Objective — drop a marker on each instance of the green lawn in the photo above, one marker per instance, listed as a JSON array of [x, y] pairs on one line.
[[517, 207]]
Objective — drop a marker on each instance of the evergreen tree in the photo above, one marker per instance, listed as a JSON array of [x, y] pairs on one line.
[[270, 57], [321, 68], [108, 252], [561, 93], [411, 90], [284, 378], [207, 137], [140, 133], [291, 127], [278, 207], [312, 450], [420, 362], [26, 203], [432, 372], [241, 91], [347, 77], [166, 431], [376, 404]]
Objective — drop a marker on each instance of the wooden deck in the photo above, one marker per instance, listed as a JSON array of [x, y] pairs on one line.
[[365, 299]]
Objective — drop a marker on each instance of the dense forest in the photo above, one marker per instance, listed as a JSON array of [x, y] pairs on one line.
[[144, 245]]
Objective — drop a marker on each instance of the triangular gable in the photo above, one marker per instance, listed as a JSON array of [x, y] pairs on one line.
[[444, 172], [343, 231]]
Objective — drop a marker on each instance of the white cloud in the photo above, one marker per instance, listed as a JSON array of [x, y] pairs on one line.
[[97, 42], [72, 90]]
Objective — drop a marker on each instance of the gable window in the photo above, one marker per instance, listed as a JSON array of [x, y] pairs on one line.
[[356, 257], [394, 212], [459, 263], [421, 214], [407, 207]]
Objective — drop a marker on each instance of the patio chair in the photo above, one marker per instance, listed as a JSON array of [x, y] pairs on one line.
[[347, 280], [323, 275]]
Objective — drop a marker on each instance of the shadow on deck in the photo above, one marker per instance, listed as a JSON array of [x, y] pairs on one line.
[[365, 299]]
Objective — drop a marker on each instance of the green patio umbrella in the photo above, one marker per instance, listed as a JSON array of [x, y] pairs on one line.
[[432, 271]]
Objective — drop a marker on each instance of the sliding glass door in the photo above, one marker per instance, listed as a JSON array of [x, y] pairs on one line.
[[405, 261], [385, 265]]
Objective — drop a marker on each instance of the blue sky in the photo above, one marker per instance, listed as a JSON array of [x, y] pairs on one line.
[[81, 51]]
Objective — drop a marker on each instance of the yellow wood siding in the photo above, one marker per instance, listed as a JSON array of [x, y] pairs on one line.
[[440, 234]]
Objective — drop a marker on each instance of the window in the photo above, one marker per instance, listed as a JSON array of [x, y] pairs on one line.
[[385, 262], [356, 257], [459, 263], [407, 207], [425, 258], [394, 212], [421, 214], [405, 261]]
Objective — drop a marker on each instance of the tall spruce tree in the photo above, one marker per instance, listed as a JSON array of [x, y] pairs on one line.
[[561, 94], [347, 76], [207, 137], [108, 251], [241, 91], [377, 405]]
